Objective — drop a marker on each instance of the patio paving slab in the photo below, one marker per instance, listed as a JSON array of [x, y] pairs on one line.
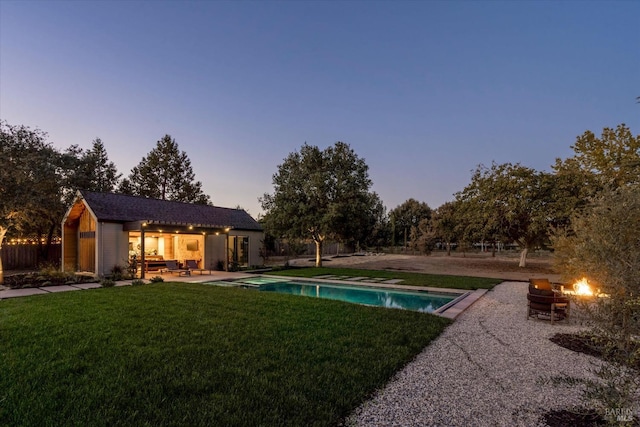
[[88, 285], [14, 293], [59, 288]]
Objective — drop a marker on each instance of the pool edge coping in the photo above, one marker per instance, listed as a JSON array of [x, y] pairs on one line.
[[456, 309]]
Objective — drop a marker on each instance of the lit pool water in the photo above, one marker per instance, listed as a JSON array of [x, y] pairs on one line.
[[421, 301]]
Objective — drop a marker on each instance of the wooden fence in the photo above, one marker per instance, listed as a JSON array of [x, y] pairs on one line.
[[28, 257]]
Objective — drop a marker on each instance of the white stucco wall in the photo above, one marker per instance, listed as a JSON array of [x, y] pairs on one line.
[[113, 247], [255, 243], [215, 250]]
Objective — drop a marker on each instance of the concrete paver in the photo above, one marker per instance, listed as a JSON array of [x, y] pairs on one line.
[[14, 293], [60, 288], [88, 285]]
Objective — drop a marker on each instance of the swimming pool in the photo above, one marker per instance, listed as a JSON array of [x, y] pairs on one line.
[[422, 301]]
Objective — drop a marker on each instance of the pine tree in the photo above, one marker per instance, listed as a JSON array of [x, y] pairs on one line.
[[165, 173]]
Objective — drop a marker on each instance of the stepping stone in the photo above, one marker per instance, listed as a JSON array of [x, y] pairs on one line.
[[393, 281], [60, 288], [88, 285], [14, 293], [376, 279], [324, 276], [355, 279]]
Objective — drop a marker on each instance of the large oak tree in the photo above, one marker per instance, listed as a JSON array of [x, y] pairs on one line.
[[508, 202], [320, 194], [406, 216], [30, 192]]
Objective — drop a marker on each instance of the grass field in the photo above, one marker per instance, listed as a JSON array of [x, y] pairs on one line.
[[186, 354], [415, 279]]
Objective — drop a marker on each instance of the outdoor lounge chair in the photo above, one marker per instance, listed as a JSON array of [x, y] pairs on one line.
[[544, 301], [172, 267], [192, 265]]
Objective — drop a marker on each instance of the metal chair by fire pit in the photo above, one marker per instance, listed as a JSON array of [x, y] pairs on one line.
[[545, 302]]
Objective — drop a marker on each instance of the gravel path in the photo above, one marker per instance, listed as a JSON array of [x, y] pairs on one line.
[[484, 370]]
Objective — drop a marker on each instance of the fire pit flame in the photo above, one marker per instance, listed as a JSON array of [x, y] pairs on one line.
[[581, 287]]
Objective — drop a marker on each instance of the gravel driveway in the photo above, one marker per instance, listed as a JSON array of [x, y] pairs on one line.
[[484, 370]]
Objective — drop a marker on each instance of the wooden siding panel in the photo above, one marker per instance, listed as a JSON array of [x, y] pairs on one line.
[[87, 243], [70, 247]]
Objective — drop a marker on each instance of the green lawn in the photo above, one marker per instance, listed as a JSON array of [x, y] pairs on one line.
[[416, 279], [189, 354]]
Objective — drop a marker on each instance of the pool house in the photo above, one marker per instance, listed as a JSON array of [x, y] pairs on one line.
[[104, 230]]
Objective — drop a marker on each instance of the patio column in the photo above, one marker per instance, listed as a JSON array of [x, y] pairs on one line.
[[226, 251], [142, 263]]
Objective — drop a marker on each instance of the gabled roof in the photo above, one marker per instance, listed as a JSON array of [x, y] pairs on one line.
[[110, 207]]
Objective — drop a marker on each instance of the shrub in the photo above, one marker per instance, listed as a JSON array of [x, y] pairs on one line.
[[156, 279], [107, 283], [51, 270], [117, 272], [132, 266], [45, 278], [137, 282], [604, 249]]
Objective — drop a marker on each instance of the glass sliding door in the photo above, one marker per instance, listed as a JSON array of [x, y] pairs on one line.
[[238, 251]]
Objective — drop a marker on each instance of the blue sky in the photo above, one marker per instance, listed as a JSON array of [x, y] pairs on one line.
[[424, 91]]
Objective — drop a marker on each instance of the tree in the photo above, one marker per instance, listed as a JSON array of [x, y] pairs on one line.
[[30, 197], [508, 202], [603, 247], [423, 237], [407, 215], [165, 173], [319, 194], [444, 224], [88, 170], [613, 160], [378, 231]]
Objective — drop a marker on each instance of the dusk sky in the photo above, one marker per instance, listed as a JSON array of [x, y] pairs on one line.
[[424, 91]]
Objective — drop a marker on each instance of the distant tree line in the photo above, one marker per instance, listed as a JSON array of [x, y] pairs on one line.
[[325, 194]]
